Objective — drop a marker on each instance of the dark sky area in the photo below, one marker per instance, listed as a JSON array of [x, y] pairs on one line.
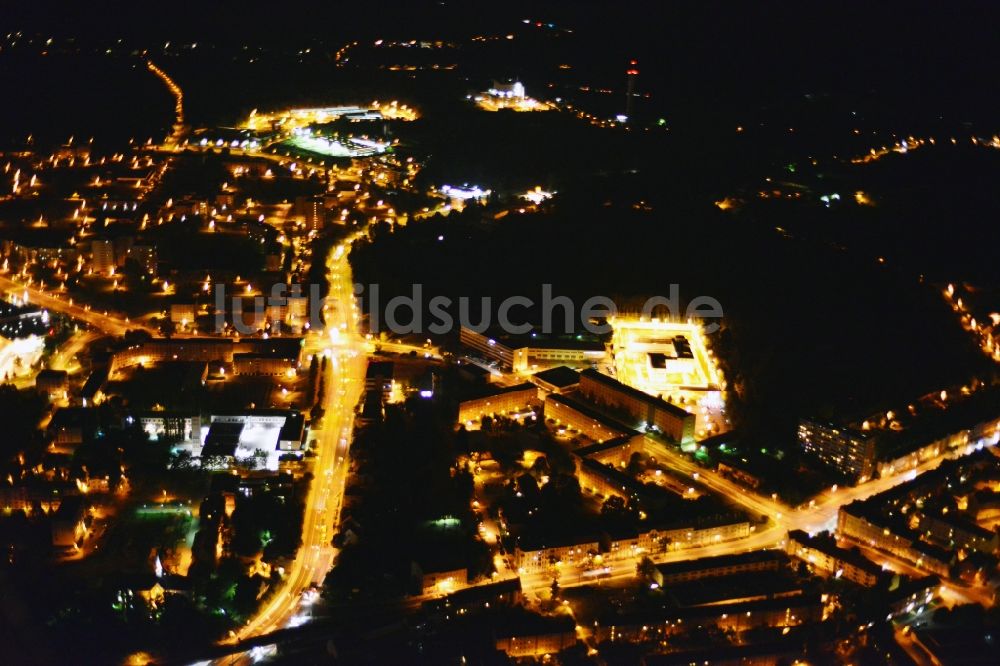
[[938, 50]]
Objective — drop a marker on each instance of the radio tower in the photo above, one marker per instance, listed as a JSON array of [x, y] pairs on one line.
[[632, 73]]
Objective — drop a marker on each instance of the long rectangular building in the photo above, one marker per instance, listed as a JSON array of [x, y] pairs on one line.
[[721, 565], [504, 402], [249, 355], [858, 523], [567, 411], [531, 353], [643, 409], [645, 626]]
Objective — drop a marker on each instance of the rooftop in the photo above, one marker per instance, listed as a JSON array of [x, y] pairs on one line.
[[561, 376], [613, 383], [722, 561]]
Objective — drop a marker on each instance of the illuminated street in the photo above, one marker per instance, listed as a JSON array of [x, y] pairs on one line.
[[322, 509], [473, 333]]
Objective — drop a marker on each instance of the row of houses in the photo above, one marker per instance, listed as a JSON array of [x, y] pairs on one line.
[[860, 454], [250, 356], [537, 555], [896, 522]]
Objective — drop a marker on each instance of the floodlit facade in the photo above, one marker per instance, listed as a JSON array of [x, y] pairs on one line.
[[644, 410], [507, 402], [570, 413]]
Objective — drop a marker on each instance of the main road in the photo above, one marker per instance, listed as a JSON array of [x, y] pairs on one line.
[[820, 514], [64, 304], [345, 350]]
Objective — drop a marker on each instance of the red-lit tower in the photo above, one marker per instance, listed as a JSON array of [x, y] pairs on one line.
[[632, 72]]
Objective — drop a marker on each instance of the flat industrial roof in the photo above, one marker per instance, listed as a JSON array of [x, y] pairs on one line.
[[560, 376]]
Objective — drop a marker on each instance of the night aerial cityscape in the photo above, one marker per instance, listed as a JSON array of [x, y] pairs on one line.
[[444, 332]]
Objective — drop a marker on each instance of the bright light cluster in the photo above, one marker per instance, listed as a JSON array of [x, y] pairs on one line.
[[464, 193], [537, 195], [510, 96], [353, 147], [670, 360], [291, 119]]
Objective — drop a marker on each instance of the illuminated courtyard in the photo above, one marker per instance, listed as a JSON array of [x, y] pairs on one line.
[[670, 360]]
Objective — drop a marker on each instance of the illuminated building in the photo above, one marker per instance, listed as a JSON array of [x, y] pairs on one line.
[[664, 358], [570, 413], [267, 434], [864, 524], [52, 382], [554, 352], [536, 635], [511, 96], [615, 451], [961, 533], [70, 522], [439, 569], [465, 193], [169, 426], [824, 555], [102, 257], [144, 256], [631, 73], [182, 313], [27, 498], [540, 554], [530, 353], [721, 565], [487, 346], [297, 312], [740, 473], [72, 426], [275, 310], [510, 402], [478, 597], [913, 596], [254, 363], [220, 350], [851, 452], [537, 196], [378, 377], [442, 581], [509, 90], [603, 480], [642, 409], [656, 624], [972, 421], [313, 212]]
